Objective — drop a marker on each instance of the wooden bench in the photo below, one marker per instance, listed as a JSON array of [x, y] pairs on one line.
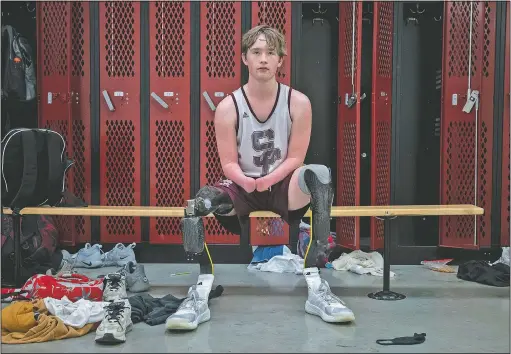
[[387, 213]]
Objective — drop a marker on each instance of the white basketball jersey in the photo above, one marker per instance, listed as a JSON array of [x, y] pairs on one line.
[[262, 146]]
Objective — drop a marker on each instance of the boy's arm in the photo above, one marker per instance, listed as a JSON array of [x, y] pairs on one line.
[[225, 130], [301, 116]]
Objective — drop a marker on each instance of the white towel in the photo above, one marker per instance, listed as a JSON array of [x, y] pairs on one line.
[[361, 263], [76, 314], [286, 263]]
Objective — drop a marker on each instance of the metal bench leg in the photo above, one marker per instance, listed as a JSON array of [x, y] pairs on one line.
[[16, 220], [386, 294]]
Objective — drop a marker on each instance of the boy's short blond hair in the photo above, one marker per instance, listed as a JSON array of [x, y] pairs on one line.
[[274, 38]]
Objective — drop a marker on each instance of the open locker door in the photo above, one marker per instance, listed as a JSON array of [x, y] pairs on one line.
[[467, 135], [348, 127], [381, 119], [273, 231], [54, 85]]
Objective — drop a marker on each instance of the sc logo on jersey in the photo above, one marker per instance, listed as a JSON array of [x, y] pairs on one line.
[[263, 141]]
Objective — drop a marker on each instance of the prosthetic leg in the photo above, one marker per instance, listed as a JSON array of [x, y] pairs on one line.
[[208, 200], [315, 180], [194, 310]]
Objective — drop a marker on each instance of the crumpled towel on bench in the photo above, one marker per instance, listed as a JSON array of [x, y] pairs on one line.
[[155, 311], [30, 322]]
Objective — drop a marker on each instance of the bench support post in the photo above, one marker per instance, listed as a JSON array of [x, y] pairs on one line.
[[386, 294], [16, 220]]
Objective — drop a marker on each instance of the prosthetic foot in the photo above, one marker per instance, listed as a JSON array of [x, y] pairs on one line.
[[316, 181], [208, 200]]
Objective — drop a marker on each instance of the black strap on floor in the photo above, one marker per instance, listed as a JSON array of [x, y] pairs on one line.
[[416, 339]]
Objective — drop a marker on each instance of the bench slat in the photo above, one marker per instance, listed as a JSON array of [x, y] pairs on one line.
[[337, 211]]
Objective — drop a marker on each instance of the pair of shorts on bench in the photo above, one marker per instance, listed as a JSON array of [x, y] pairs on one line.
[[275, 200]]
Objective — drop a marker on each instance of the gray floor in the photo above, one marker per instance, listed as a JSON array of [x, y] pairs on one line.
[[264, 312]]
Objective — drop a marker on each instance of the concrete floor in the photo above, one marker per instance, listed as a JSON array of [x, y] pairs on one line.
[[264, 312]]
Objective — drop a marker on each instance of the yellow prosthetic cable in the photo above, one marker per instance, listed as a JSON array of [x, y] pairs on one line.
[[210, 260], [308, 246]]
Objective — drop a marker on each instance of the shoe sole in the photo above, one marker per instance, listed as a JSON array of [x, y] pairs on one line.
[[179, 324], [341, 318], [111, 338]]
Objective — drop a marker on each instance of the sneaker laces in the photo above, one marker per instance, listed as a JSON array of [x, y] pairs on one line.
[[67, 268], [190, 302], [326, 294], [114, 311], [114, 281]]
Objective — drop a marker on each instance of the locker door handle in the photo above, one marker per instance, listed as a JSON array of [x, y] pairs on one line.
[[106, 96], [159, 100], [209, 101]]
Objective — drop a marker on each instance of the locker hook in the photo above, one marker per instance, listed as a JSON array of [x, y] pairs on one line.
[[27, 4], [319, 11], [417, 11], [437, 20]]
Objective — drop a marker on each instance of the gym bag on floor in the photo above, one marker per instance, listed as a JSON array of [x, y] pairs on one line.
[[39, 237], [34, 167]]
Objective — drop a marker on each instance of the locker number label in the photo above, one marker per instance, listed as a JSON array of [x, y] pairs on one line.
[[454, 99], [118, 94]]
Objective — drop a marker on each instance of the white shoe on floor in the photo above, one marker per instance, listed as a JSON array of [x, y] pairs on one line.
[[191, 313], [114, 287], [323, 303], [116, 323]]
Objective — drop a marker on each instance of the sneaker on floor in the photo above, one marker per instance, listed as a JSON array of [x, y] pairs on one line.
[[325, 304], [136, 280], [88, 257], [120, 255], [115, 324], [114, 287], [192, 312]]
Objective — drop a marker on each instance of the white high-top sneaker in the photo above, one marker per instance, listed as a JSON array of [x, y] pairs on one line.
[[194, 310], [322, 302], [116, 323]]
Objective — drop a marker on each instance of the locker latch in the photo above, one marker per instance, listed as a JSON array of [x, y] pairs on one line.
[[159, 100], [209, 101], [106, 96]]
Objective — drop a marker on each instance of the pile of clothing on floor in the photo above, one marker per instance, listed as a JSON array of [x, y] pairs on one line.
[[280, 259], [66, 304], [483, 272]]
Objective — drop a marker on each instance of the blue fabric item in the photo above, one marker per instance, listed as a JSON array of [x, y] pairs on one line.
[[265, 253]]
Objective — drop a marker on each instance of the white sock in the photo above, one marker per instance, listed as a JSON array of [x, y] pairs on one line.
[[204, 285], [312, 278]]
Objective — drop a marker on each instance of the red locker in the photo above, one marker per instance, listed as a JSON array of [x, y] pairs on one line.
[[80, 115], [348, 136], [273, 231], [504, 228], [381, 127], [119, 59], [54, 77], [169, 32], [466, 166], [220, 75]]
